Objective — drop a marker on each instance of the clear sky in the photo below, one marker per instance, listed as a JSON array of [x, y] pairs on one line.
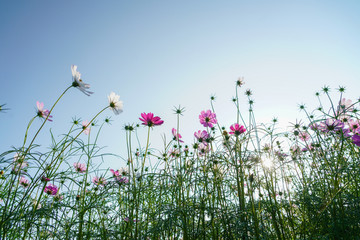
[[161, 54]]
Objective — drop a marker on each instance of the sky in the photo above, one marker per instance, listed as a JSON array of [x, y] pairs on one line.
[[161, 54]]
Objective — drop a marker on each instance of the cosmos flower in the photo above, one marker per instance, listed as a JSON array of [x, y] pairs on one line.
[[24, 182], [115, 104], [51, 189], [203, 149], [41, 112], [201, 136], [331, 125], [208, 118], [80, 167], [356, 140], [174, 152], [78, 83], [148, 119], [177, 136], [304, 136], [85, 127], [19, 163], [354, 125], [237, 129], [99, 181]]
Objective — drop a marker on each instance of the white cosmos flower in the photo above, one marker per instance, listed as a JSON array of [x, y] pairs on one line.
[[115, 104], [78, 82]]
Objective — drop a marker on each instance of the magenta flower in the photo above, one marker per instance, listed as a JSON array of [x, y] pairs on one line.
[[148, 119], [41, 112], [177, 136], [115, 173], [80, 167], [236, 129], [99, 181], [201, 136], [24, 182], [208, 118], [51, 189], [356, 140], [45, 179], [85, 127]]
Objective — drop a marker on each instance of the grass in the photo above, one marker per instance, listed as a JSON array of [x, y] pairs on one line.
[[257, 184]]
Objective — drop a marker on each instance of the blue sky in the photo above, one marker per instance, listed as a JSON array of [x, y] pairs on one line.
[[161, 54]]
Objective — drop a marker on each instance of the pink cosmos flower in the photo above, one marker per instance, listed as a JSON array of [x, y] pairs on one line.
[[118, 175], [177, 136], [201, 136], [148, 119], [331, 125], [85, 127], [99, 181], [345, 105], [173, 152], [354, 125], [19, 163], [41, 112], [80, 167], [304, 136], [236, 129], [24, 182], [203, 149], [51, 189], [208, 118], [115, 173]]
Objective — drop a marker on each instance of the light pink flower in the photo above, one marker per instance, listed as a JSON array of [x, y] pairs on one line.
[[177, 136], [19, 163], [237, 129], [51, 189], [80, 167], [203, 149], [43, 113], [24, 182], [345, 105], [85, 127], [304, 136], [99, 181], [208, 118], [174, 152], [201, 136], [148, 119], [354, 125]]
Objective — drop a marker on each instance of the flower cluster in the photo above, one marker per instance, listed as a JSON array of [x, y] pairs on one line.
[[341, 124]]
